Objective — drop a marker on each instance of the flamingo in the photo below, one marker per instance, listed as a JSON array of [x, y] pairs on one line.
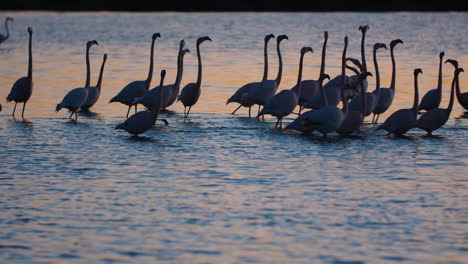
[[283, 103], [371, 97], [136, 89], [262, 93], [433, 97], [176, 86], [239, 95], [354, 119], [385, 99], [191, 92], [403, 120], [151, 98], [309, 88], [22, 89], [94, 91], [5, 37], [144, 120], [437, 117], [461, 97]]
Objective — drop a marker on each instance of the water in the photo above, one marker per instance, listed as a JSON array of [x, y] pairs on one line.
[[224, 188]]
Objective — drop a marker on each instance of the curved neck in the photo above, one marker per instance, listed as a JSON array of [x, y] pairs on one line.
[[30, 57], [322, 93], [150, 71], [363, 99], [439, 81], [352, 69], [199, 77], [88, 69], [343, 64], [280, 68], [98, 85], [6, 27], [416, 93], [179, 68], [363, 53], [324, 51], [299, 76], [392, 84], [377, 75], [452, 92], [458, 92], [265, 58]]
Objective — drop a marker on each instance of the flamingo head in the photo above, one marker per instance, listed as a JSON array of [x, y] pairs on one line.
[[441, 55], [268, 37], [163, 74], [156, 35], [10, 19], [364, 28], [304, 50], [281, 37], [203, 39], [417, 71], [30, 31], [379, 46], [458, 71], [453, 62], [394, 42], [91, 43], [324, 76], [104, 58]]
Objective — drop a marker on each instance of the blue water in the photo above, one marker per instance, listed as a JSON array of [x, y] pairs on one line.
[[224, 188]]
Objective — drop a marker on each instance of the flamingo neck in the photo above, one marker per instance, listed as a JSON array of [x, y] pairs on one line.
[[6, 27], [299, 77], [439, 81], [416, 94], [322, 94], [324, 51], [30, 57], [179, 69], [265, 59], [452, 93], [458, 92], [363, 53], [352, 69], [280, 68], [150, 71], [392, 84], [88, 69], [98, 85], [377, 75], [199, 77], [363, 99]]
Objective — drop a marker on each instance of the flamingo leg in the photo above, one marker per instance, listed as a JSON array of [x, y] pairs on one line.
[[250, 108], [281, 123], [164, 120], [128, 111], [188, 112], [258, 112], [185, 110], [76, 115], [135, 109], [70, 116], [22, 112], [377, 118], [300, 109], [236, 110], [14, 109], [277, 123]]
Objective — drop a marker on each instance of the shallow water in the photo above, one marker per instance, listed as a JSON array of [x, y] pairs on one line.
[[224, 188]]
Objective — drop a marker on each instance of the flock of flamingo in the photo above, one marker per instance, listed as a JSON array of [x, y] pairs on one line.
[[322, 99]]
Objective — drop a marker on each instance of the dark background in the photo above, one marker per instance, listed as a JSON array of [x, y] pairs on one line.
[[233, 5]]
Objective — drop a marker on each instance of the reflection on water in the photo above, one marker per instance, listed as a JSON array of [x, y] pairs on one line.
[[225, 188]]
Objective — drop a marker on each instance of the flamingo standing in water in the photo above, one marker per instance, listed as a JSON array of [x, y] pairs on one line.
[[151, 98], [191, 92], [403, 120], [144, 120], [433, 97], [262, 93], [94, 91], [22, 88], [284, 102], [136, 89], [371, 97], [5, 37], [437, 117], [385, 99], [239, 95], [461, 97], [309, 88], [174, 88]]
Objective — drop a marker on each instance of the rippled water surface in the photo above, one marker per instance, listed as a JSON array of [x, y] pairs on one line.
[[224, 188]]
